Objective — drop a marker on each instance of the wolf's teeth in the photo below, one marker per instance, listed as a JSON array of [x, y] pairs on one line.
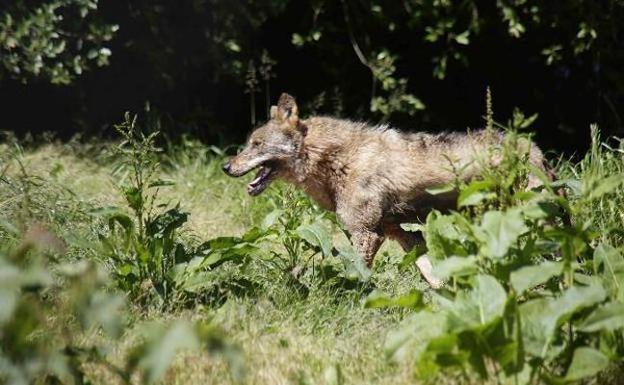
[[262, 174]]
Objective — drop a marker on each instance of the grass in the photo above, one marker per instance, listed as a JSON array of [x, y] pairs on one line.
[[324, 337], [286, 338]]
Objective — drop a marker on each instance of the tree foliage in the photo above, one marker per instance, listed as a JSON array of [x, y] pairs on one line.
[[53, 40]]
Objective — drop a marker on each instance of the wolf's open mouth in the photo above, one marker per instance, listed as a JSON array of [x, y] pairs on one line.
[[262, 179]]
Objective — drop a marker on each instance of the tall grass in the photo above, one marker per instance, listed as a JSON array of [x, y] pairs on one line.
[[605, 159]]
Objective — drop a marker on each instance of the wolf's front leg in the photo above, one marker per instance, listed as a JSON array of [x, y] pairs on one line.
[[361, 215], [367, 242]]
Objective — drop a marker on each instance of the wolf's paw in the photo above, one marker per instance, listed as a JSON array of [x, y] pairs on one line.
[[426, 269]]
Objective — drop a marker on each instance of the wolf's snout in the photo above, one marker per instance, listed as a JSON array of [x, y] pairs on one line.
[[226, 167]]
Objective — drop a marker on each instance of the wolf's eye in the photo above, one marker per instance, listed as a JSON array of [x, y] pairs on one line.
[[255, 143]]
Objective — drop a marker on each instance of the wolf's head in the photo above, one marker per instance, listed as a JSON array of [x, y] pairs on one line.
[[271, 148]]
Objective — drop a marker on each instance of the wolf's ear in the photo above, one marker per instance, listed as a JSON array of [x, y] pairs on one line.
[[286, 109]]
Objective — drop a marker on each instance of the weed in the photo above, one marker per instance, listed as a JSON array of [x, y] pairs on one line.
[[49, 320], [527, 299], [145, 246]]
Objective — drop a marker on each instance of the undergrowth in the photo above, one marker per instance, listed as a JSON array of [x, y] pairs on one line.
[[119, 259]]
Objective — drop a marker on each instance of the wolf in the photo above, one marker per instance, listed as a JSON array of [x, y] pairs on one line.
[[374, 178]]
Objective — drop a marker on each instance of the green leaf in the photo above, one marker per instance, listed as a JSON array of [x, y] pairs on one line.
[[442, 236], [411, 257], [455, 266], [106, 211], [232, 45], [530, 276], [441, 189], [604, 186], [134, 197], [105, 310], [574, 185], [316, 234], [409, 341], [610, 264], [195, 282], [500, 231], [537, 330], [586, 362], [540, 210], [463, 38], [126, 269], [610, 257], [161, 347], [237, 253], [413, 227], [161, 183], [221, 243], [271, 219], [411, 300], [575, 299], [355, 267], [475, 198], [475, 193], [254, 234], [165, 223], [542, 316], [607, 317], [509, 355], [297, 40], [123, 220], [479, 307]]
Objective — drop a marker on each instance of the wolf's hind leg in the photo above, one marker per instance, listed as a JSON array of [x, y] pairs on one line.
[[408, 240]]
